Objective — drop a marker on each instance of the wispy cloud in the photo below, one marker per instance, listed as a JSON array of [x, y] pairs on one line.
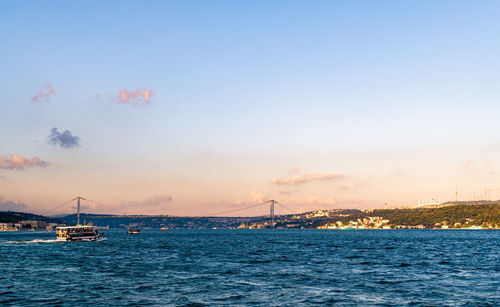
[[254, 197], [318, 201], [135, 96], [355, 186], [154, 201], [20, 163], [284, 192], [310, 203], [486, 164], [9, 205], [257, 197], [46, 92], [468, 164], [64, 140], [294, 169], [479, 166], [300, 179], [362, 184]]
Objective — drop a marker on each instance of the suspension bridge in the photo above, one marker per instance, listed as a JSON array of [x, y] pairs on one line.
[[273, 204]]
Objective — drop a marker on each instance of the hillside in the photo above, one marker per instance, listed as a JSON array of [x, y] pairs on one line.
[[121, 221], [477, 214], [15, 217], [453, 216], [463, 215]]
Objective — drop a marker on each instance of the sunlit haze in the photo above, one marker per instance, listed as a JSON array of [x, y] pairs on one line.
[[200, 107]]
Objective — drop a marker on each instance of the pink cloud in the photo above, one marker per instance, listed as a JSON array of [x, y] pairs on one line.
[[468, 163], [485, 166], [154, 201], [20, 163], [256, 197], [9, 205], [46, 92], [310, 203], [361, 184], [300, 179], [135, 96]]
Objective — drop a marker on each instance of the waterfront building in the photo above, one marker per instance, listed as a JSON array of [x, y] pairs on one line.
[[33, 225], [8, 227]]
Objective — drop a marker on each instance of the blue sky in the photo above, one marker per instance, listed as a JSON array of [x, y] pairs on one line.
[[399, 97]]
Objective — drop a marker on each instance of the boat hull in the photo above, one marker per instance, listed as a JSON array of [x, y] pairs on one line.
[[93, 238], [80, 238]]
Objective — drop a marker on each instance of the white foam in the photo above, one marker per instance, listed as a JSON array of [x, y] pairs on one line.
[[27, 242]]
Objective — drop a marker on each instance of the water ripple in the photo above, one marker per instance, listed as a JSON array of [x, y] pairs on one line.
[[261, 267]]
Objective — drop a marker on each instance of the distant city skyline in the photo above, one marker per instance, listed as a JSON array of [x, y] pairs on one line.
[[191, 108]]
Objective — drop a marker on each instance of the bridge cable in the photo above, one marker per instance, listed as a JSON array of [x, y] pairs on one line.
[[58, 206], [240, 209], [286, 207], [209, 215]]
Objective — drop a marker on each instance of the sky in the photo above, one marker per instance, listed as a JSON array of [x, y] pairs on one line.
[[200, 107]]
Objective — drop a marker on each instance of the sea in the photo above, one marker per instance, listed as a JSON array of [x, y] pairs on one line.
[[253, 267]]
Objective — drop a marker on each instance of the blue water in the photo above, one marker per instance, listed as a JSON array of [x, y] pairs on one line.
[[253, 267]]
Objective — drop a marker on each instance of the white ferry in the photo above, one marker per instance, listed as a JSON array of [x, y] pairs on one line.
[[78, 233]]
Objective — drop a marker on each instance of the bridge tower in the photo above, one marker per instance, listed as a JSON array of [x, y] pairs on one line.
[[78, 209], [271, 212]]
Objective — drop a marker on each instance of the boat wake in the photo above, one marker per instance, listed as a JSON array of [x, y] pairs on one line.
[[45, 241], [30, 241]]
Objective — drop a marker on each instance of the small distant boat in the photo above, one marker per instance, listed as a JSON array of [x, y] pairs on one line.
[[78, 233], [164, 229], [133, 230]]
